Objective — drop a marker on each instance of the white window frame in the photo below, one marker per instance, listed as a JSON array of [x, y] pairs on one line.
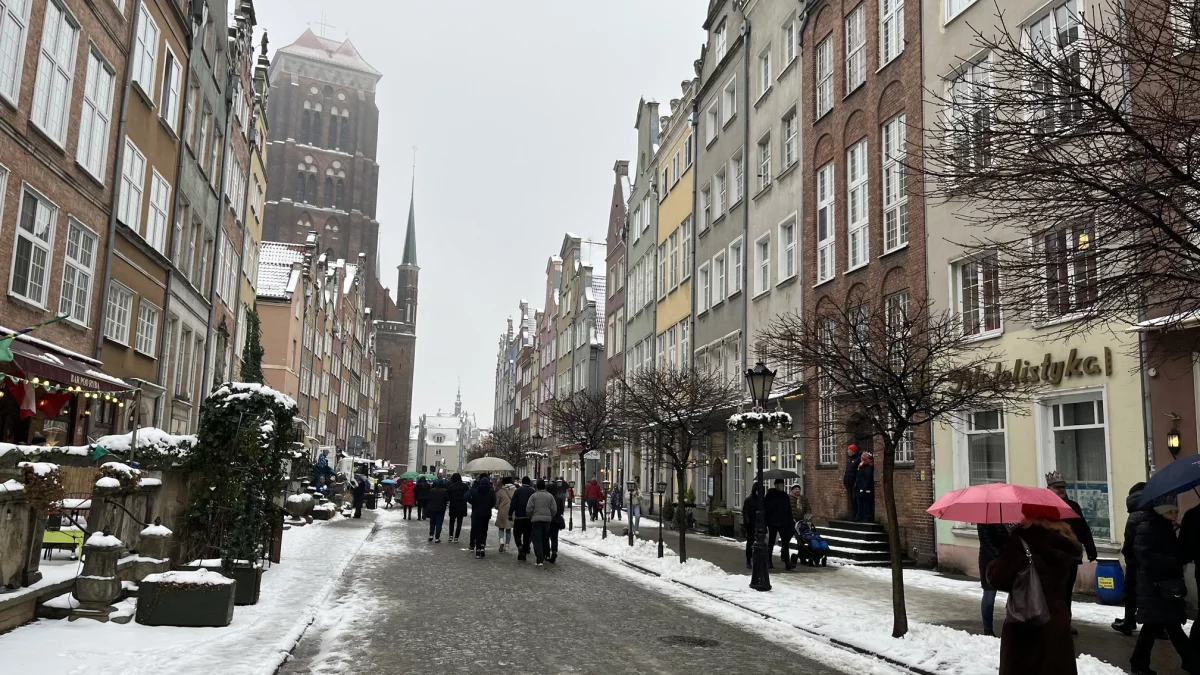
[[721, 34], [856, 48], [895, 184], [119, 308], [36, 245], [54, 117], [1047, 456], [160, 206], [956, 7], [146, 339], [858, 249], [729, 101], [95, 116], [736, 260], [891, 30], [824, 77], [983, 306], [144, 52], [764, 162], [705, 207], [826, 246], [765, 76], [704, 297], [674, 169], [789, 128], [719, 281], [685, 251], [966, 427], [673, 259], [133, 181], [721, 190], [788, 42], [762, 264], [661, 281], [75, 294], [712, 123], [12, 48], [788, 245], [172, 75], [737, 165]]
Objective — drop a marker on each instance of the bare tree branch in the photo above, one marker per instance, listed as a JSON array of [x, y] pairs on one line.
[[585, 417]]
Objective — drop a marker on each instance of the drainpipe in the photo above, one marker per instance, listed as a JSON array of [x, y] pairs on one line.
[[745, 192]]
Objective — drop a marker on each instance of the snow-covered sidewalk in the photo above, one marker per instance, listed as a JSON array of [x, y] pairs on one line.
[[259, 639], [846, 613]]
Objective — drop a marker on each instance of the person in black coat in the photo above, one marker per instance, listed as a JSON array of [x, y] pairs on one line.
[[1079, 526], [522, 527], [422, 494], [362, 485], [1189, 541], [864, 489], [1160, 586], [435, 510], [483, 500], [749, 511], [777, 509], [991, 544], [1128, 623], [457, 495]]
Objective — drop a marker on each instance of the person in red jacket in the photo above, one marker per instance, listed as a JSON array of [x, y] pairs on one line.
[[408, 497], [594, 496]]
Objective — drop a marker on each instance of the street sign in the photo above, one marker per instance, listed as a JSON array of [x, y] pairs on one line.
[[592, 454]]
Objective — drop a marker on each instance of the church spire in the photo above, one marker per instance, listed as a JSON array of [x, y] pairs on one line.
[[458, 401], [410, 237]]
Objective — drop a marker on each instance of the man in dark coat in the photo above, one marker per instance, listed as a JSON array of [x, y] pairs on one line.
[[1189, 542], [422, 494], [457, 495], [1079, 526], [853, 458], [777, 509], [749, 511], [1128, 623], [991, 543], [435, 510], [1160, 587], [362, 485], [522, 527], [483, 500], [864, 489]]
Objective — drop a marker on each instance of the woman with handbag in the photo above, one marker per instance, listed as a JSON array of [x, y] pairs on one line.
[[1160, 586], [1034, 567]]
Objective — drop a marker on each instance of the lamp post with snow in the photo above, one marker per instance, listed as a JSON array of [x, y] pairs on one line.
[[661, 488], [760, 378]]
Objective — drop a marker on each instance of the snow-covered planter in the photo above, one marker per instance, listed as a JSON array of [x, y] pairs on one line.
[[155, 447], [247, 575], [186, 598], [118, 476], [43, 484], [756, 421], [323, 511], [299, 505]]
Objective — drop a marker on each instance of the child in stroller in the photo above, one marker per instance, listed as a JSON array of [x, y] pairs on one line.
[[811, 549]]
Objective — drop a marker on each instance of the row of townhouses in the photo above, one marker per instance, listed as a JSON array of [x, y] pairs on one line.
[[775, 180], [135, 196]]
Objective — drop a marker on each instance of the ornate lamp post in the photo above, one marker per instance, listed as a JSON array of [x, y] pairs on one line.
[[661, 488], [760, 378], [629, 507]]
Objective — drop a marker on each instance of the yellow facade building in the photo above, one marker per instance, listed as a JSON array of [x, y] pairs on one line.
[[674, 161]]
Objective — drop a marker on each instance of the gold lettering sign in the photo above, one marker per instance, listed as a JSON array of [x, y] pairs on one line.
[[1048, 370]]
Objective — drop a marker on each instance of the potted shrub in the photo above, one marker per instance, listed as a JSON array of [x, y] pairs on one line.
[[723, 518], [182, 598]]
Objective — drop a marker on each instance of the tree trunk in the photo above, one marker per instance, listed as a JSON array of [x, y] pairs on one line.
[[582, 493], [681, 512], [899, 612]]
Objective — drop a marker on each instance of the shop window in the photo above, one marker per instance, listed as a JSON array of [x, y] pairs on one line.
[[985, 444], [1079, 434]]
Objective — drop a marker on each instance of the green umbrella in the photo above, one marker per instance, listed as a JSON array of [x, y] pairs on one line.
[[408, 474], [428, 476]]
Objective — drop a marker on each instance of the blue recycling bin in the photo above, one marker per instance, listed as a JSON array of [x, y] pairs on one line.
[[1110, 581]]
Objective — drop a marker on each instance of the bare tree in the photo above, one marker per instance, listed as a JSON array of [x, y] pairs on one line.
[[898, 367], [585, 417], [1074, 149], [674, 412], [508, 444]]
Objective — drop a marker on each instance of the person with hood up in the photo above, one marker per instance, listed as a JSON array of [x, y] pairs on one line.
[[362, 485], [864, 489], [1128, 623], [483, 500], [777, 508], [522, 528], [749, 511], [849, 479], [504, 520], [1161, 588], [991, 544], [456, 493], [541, 508], [614, 502], [594, 496], [389, 494], [635, 506], [408, 497], [1083, 533], [435, 509], [1025, 648], [421, 493]]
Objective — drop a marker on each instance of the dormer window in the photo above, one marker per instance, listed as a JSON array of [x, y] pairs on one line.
[[720, 36]]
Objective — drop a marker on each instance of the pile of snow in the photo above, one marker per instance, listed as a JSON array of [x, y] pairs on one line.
[[108, 482], [754, 420], [149, 482], [39, 468], [301, 498], [101, 540], [11, 486], [37, 450], [243, 390], [149, 438], [121, 468], [75, 504], [216, 562], [156, 531], [66, 601], [193, 578], [327, 506]]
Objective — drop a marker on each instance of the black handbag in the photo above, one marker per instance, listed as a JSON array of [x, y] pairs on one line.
[[1172, 589], [1027, 600]]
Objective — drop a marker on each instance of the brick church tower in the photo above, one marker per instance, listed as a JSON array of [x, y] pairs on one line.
[[396, 347]]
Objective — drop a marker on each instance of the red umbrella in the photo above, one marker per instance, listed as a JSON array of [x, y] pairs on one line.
[[1000, 503]]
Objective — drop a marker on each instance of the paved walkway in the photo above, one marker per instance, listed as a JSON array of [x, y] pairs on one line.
[[927, 597], [408, 605]]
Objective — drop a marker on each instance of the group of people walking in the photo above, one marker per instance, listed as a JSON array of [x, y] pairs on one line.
[[782, 509]]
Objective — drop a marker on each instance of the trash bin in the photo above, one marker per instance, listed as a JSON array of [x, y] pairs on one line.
[[370, 501], [1110, 581]]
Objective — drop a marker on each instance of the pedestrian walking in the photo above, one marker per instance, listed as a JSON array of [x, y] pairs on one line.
[[541, 508], [635, 506], [408, 497], [864, 489], [522, 528], [389, 495], [421, 493], [1046, 649], [362, 485], [483, 500], [749, 511], [1161, 588], [456, 493], [849, 479], [1083, 533], [593, 495], [559, 491], [1189, 542], [777, 509], [991, 544], [614, 502], [435, 509], [1128, 623], [504, 519]]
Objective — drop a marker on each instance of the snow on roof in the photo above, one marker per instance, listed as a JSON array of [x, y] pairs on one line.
[[311, 46], [11, 486], [275, 262], [1177, 320], [39, 468], [50, 345], [101, 540], [351, 277]]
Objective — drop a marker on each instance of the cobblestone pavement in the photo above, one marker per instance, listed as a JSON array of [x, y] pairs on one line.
[[407, 605]]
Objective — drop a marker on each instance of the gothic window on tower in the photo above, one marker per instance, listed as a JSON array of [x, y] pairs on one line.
[[305, 121], [333, 127], [310, 192], [314, 132], [345, 136], [300, 180], [328, 192], [341, 194]]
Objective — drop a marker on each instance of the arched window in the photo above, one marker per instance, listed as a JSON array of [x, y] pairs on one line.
[[345, 139], [328, 192], [305, 122], [341, 194], [310, 193], [314, 137], [300, 179], [333, 132]]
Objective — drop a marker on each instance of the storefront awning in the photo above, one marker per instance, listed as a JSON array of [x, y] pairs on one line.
[[59, 365], [1176, 321]]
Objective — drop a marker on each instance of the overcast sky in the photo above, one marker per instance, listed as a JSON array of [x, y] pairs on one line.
[[519, 110]]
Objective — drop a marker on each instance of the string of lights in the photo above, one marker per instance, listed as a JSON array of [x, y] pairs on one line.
[[50, 387]]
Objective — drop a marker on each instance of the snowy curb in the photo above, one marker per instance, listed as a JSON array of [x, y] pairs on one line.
[[816, 635], [288, 642]]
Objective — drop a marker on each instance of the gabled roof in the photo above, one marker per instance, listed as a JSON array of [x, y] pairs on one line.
[[275, 263], [311, 46]]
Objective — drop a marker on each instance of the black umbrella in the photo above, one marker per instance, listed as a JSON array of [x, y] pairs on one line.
[[775, 474], [1175, 478]]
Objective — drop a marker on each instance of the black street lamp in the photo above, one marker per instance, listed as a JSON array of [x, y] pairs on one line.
[[571, 511], [629, 507], [760, 378], [661, 489]]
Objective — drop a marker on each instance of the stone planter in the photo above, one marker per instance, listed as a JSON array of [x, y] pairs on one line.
[[193, 599], [323, 512], [247, 576], [98, 586], [299, 507]]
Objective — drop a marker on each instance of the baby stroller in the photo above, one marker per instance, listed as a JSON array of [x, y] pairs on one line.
[[811, 549]]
